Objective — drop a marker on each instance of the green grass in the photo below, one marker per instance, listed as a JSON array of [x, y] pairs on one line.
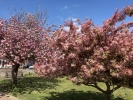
[[34, 88]]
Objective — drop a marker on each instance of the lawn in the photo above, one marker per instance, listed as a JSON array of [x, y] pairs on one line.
[[35, 88]]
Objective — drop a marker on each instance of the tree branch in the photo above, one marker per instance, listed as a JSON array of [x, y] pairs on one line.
[[115, 88], [108, 86], [97, 87]]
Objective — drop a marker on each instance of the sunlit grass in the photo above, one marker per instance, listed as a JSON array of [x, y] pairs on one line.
[[35, 88]]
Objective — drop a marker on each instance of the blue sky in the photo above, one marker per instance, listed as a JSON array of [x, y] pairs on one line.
[[60, 10]]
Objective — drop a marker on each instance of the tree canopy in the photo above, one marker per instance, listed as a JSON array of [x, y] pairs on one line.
[[96, 54]]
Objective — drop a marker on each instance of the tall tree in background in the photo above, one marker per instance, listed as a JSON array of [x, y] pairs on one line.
[[96, 54]]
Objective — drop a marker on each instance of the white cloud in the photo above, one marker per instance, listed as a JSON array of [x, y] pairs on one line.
[[73, 19], [66, 28], [60, 18], [79, 28], [75, 23], [64, 8]]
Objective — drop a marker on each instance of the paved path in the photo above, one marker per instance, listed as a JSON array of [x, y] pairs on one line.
[[2, 96], [7, 97]]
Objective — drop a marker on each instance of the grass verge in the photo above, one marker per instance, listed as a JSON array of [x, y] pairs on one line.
[[32, 87]]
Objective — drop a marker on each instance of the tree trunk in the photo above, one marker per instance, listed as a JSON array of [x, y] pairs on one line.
[[108, 96], [14, 73]]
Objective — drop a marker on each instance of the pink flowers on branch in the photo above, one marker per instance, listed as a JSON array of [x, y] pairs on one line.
[[20, 39], [96, 54]]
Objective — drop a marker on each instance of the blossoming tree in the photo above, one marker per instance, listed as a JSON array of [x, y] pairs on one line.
[[96, 54], [20, 37]]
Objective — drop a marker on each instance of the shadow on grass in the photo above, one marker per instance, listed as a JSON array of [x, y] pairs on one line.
[[77, 95], [131, 85], [27, 85]]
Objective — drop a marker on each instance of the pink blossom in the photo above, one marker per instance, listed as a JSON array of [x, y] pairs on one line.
[[74, 79]]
